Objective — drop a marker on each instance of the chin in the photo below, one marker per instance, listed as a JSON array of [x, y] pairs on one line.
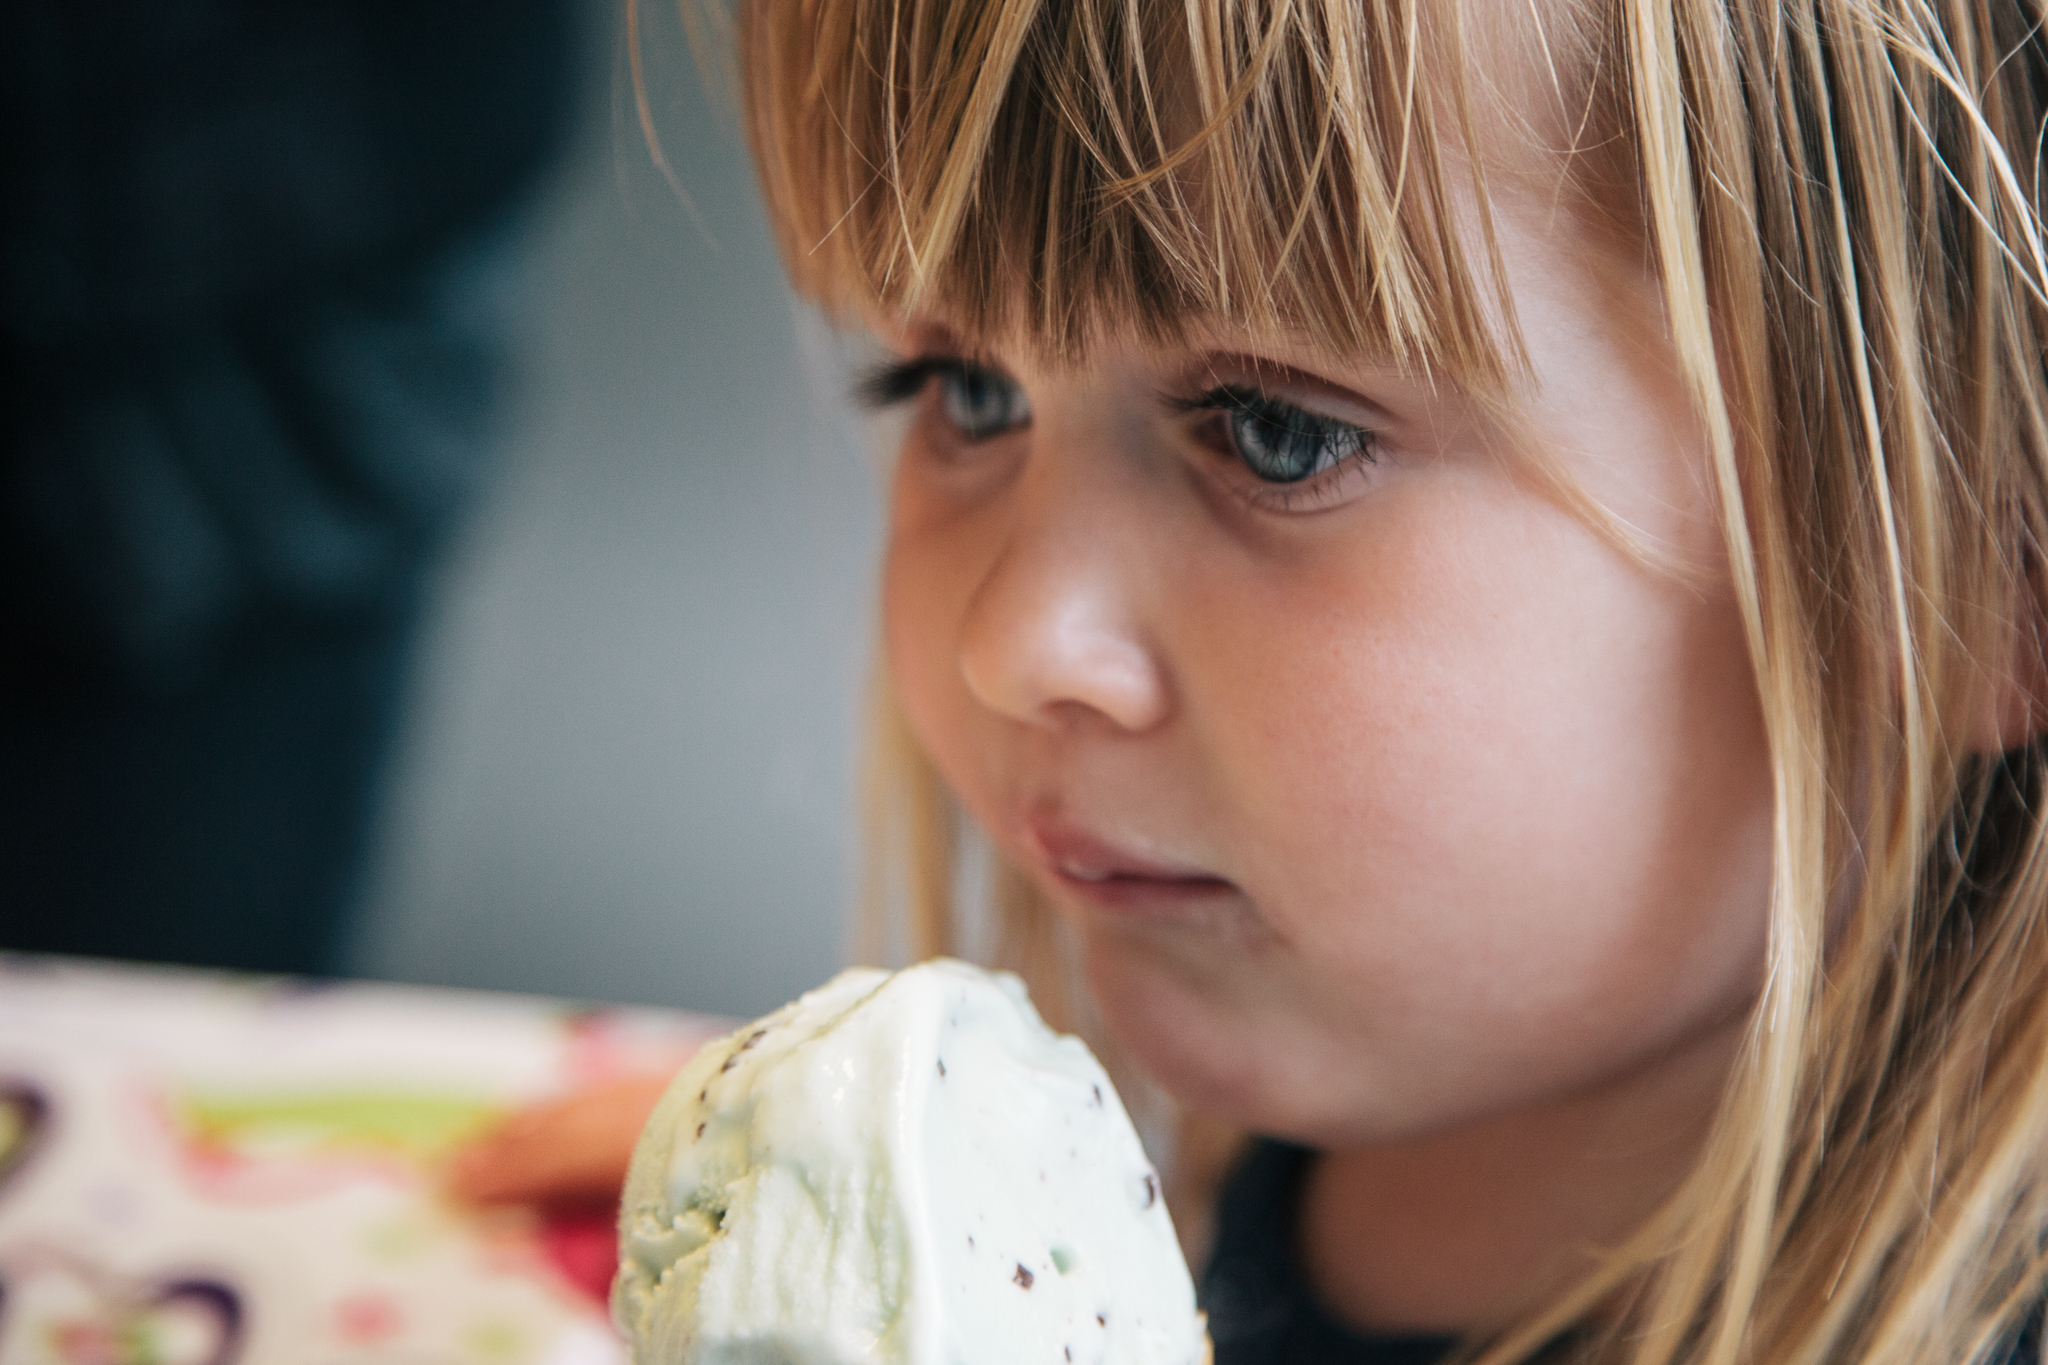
[[1185, 1041], [1220, 1057]]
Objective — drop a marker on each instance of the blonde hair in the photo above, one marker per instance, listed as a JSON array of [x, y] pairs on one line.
[[1840, 198]]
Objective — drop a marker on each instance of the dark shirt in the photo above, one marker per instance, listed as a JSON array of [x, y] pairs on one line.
[[1261, 1310]]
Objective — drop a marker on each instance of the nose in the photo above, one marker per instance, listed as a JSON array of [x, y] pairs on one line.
[[1056, 630]]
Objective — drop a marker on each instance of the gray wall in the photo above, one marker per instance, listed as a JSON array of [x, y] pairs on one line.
[[627, 773]]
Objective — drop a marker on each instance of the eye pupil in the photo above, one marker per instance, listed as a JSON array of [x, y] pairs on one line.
[[981, 402]]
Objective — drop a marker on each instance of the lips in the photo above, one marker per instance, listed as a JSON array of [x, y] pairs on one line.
[[1116, 878]]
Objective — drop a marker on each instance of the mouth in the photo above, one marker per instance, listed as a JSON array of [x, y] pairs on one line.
[[1114, 878]]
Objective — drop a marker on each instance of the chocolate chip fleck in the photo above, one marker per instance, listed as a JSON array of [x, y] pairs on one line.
[[1151, 1189], [1023, 1277], [1101, 1321], [1098, 1093], [700, 1130], [942, 1068], [733, 1059], [1067, 1351]]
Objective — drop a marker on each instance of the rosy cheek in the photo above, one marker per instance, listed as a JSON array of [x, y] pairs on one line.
[[922, 606], [913, 630]]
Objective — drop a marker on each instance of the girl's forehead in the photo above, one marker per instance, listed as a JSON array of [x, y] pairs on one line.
[[1328, 184], [1546, 248]]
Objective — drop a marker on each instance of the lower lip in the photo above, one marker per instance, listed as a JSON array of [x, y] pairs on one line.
[[1141, 894]]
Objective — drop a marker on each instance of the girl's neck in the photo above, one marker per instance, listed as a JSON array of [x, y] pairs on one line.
[[1462, 1231]]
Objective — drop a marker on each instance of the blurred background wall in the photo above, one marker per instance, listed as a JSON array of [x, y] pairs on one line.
[[625, 770]]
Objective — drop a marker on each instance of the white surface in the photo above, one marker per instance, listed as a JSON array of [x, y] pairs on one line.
[[899, 1170], [628, 772]]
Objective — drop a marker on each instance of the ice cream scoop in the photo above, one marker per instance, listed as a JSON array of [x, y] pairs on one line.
[[906, 1169]]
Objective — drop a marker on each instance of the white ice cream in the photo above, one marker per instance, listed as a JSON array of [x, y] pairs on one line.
[[899, 1170]]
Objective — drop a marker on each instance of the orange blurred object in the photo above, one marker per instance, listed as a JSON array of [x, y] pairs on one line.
[[572, 1150]]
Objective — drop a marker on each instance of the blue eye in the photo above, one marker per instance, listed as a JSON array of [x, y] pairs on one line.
[[1281, 442], [980, 402]]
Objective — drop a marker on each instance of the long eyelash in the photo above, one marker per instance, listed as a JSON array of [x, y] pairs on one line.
[[1232, 398], [898, 381]]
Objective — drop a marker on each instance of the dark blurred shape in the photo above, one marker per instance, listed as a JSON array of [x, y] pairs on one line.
[[242, 403]]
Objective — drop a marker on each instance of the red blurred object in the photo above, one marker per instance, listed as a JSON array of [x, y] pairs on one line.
[[584, 1246]]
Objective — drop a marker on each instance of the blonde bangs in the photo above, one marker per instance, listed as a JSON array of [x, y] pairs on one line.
[[1051, 172]]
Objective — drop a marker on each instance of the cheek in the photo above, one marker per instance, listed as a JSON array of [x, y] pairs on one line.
[[1504, 798], [917, 623], [930, 566]]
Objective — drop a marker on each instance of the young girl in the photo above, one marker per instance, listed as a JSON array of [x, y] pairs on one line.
[[1475, 566]]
